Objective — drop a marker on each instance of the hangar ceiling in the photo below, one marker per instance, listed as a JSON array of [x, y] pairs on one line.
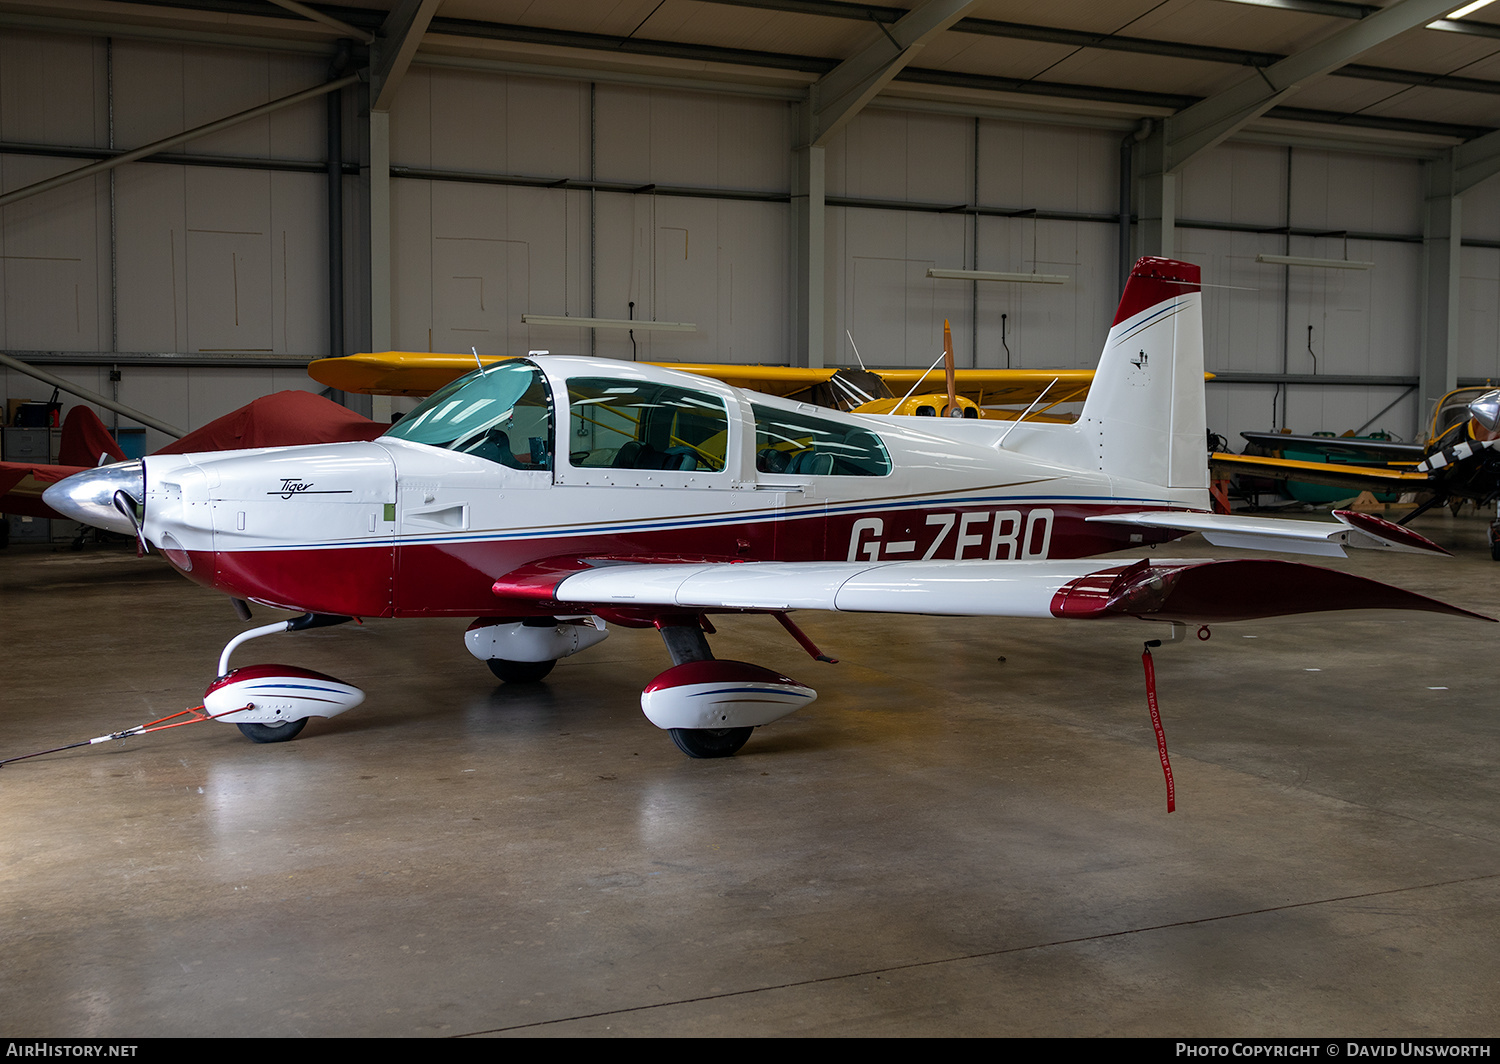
[[1432, 85]]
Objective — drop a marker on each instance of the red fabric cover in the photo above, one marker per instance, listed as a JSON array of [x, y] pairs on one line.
[[27, 501], [84, 439], [279, 420]]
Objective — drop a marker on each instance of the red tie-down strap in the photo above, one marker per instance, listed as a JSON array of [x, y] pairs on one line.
[[1161, 736]]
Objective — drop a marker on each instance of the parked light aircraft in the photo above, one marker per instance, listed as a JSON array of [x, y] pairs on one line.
[[552, 496], [1456, 461]]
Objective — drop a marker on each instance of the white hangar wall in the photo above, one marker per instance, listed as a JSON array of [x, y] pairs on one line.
[[470, 257], [689, 218], [209, 261]]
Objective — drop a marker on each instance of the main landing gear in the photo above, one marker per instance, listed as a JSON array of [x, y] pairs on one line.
[[520, 671], [524, 650], [710, 707]]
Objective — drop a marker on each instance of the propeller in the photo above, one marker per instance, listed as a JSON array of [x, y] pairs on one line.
[[953, 408], [126, 505]]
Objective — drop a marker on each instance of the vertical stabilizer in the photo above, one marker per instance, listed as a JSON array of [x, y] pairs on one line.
[[1144, 414]]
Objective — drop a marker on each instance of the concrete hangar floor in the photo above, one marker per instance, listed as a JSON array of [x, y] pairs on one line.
[[946, 843]]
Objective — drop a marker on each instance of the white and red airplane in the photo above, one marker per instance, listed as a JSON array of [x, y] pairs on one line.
[[552, 496]]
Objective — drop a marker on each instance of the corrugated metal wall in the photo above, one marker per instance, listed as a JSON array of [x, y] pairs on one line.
[[232, 261]]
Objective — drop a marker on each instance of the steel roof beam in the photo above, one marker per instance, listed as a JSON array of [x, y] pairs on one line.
[[327, 20], [881, 13], [394, 47], [1475, 161], [104, 165], [1218, 117], [842, 93]]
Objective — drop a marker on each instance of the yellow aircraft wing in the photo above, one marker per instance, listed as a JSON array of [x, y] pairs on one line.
[[393, 372], [773, 380], [421, 373], [999, 387], [1335, 475]]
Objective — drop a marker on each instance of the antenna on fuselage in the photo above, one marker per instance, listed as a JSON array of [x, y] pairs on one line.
[[476, 357], [920, 379], [1027, 413], [856, 351]]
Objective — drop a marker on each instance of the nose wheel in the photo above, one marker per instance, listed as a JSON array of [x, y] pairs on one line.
[[710, 742], [273, 733]]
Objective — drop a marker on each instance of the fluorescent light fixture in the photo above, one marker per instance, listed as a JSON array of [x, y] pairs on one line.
[[1469, 9], [609, 323], [1337, 8], [987, 275], [1324, 264]]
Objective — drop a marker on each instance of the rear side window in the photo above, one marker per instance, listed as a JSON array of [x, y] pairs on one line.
[[643, 425], [790, 442]]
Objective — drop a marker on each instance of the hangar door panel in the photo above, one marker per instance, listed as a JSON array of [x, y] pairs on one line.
[[228, 291], [481, 287], [894, 311]]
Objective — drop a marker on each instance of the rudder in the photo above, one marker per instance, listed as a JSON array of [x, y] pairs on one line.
[[1145, 413]]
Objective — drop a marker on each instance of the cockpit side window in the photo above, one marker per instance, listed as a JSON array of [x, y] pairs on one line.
[[502, 413], [627, 424], [790, 442]]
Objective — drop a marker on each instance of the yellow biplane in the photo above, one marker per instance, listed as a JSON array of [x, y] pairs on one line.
[[979, 393]]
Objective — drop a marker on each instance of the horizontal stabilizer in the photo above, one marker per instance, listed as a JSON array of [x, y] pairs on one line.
[[1356, 530]]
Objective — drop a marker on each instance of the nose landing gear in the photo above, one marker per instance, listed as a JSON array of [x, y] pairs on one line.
[[271, 703]]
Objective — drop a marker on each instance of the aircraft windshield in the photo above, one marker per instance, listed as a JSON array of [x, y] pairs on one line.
[[502, 413], [1452, 410]]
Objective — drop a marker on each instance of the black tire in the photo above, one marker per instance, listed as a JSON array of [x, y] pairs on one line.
[[520, 671], [710, 742], [1495, 551], [273, 733]]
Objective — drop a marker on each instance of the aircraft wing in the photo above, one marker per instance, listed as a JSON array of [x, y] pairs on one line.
[[998, 387], [22, 484], [1341, 448], [1337, 475], [416, 373], [1196, 592], [773, 380], [422, 373]]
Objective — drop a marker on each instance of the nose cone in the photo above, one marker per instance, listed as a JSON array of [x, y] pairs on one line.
[[89, 497], [1486, 410]]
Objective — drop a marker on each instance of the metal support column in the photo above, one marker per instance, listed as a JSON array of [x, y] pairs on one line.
[[1442, 231], [809, 210], [1156, 211]]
